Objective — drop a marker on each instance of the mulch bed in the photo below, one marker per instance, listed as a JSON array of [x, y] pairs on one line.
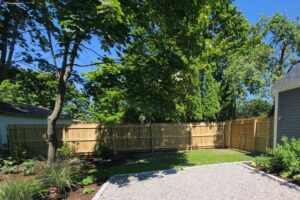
[[77, 194]]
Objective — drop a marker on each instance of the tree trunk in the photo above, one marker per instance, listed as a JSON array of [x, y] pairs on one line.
[[64, 74], [51, 132], [3, 47]]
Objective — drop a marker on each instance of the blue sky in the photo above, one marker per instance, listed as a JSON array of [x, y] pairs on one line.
[[252, 9]]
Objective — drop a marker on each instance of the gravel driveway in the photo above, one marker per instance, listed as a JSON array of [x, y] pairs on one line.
[[222, 181]]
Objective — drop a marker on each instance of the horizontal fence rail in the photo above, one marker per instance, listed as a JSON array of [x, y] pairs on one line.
[[254, 135]]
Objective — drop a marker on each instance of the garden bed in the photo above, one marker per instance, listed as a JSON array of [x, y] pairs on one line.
[[97, 170], [275, 176]]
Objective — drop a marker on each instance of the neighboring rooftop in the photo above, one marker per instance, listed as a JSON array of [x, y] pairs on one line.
[[24, 109], [289, 81]]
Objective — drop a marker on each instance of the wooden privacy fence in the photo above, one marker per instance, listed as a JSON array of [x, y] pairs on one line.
[[86, 137], [253, 135]]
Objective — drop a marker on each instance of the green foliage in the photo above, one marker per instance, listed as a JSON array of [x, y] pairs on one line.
[[27, 167], [66, 152], [284, 159], [88, 190], [105, 152], [297, 178], [20, 153], [253, 108], [88, 180], [62, 175], [262, 162], [22, 190], [11, 166]]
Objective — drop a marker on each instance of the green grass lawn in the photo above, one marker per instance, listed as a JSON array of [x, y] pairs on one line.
[[168, 160]]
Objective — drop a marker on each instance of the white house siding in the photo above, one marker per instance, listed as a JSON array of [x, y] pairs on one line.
[[21, 120]]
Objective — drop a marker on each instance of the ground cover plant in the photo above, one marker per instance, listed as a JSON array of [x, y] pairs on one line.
[[283, 160]]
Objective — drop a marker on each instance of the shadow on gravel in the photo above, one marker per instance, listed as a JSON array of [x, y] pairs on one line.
[[167, 160]]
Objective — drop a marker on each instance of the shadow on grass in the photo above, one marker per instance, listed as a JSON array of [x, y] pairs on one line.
[[149, 164]]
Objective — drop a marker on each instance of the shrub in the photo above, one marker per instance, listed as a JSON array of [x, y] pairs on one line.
[[284, 159], [9, 166], [27, 167], [62, 175], [88, 190], [297, 178], [66, 152], [262, 162], [21, 190], [105, 152], [88, 180]]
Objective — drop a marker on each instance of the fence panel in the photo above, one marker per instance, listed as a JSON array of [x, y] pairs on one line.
[[254, 135]]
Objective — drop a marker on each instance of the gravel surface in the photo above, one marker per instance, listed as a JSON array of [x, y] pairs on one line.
[[223, 181]]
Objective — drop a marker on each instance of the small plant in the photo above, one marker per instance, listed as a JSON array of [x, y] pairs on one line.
[[297, 178], [20, 153], [9, 166], [66, 152], [88, 180], [61, 175], [21, 190], [88, 190], [105, 153], [27, 167], [261, 162]]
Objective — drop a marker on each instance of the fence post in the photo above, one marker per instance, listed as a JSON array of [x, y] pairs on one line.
[[268, 133], [9, 139], [151, 135], [223, 128], [64, 134], [191, 137], [229, 132], [254, 135], [113, 139]]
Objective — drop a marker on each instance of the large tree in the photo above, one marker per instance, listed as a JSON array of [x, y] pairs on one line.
[[69, 24], [175, 60]]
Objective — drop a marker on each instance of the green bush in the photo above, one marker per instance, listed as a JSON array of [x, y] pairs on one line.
[[21, 190], [62, 175], [105, 153], [88, 190], [27, 167], [66, 152], [9, 166], [297, 178], [284, 159], [88, 180], [262, 162]]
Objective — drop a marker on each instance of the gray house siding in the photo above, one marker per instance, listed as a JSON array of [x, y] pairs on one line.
[[288, 114]]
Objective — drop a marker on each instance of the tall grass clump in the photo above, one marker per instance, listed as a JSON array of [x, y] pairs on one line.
[[62, 175], [22, 190]]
